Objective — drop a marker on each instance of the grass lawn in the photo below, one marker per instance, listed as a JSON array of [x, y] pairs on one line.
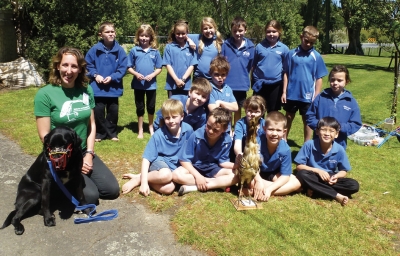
[[291, 225]]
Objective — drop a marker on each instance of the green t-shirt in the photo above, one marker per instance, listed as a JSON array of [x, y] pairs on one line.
[[66, 106]]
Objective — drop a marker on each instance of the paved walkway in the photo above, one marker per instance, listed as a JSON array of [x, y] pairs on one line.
[[136, 231]]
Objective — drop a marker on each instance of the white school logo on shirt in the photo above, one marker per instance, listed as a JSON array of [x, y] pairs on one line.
[[188, 54], [227, 94], [152, 56], [346, 108], [278, 52], [246, 54], [333, 161]]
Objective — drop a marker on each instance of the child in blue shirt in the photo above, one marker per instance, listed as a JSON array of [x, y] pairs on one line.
[[322, 164], [254, 107], [275, 176], [160, 156], [145, 63], [336, 102], [239, 52], [205, 157], [208, 45], [193, 105], [302, 80], [106, 65], [221, 94], [179, 60], [268, 66]]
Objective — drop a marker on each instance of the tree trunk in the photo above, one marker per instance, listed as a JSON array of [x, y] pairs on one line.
[[354, 41]]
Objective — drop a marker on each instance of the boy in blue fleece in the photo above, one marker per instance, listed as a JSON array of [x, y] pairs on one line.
[[106, 65], [322, 164], [160, 157], [302, 79], [336, 102]]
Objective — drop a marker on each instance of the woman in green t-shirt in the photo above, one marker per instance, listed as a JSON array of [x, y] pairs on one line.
[[68, 100]]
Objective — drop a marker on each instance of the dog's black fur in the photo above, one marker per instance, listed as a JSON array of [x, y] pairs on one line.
[[37, 185]]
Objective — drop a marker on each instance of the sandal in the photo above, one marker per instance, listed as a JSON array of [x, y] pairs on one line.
[[115, 139]]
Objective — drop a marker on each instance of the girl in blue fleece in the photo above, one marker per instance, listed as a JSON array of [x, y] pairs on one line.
[[106, 65], [336, 102]]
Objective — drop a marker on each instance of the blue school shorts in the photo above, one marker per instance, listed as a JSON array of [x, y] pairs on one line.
[[208, 170], [269, 175], [157, 165]]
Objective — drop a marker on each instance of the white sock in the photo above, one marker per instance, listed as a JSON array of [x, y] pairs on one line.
[[190, 188]]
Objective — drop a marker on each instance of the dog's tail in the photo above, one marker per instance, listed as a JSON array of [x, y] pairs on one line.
[[7, 222]]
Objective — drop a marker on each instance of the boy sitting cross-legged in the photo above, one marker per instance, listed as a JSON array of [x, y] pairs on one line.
[[193, 105], [161, 154], [275, 176], [322, 164], [205, 157]]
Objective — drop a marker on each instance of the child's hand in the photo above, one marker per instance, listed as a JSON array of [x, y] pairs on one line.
[[191, 43], [148, 78], [201, 183], [283, 98], [265, 196], [180, 83], [140, 77], [324, 175], [107, 80], [144, 189], [258, 189], [99, 79], [333, 180]]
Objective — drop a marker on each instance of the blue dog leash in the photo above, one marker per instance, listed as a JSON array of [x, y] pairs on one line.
[[103, 216]]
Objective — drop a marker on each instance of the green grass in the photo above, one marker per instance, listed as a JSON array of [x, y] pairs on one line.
[[291, 225]]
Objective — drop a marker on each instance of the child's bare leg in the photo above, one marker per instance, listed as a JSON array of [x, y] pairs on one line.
[[165, 189], [224, 178], [343, 200], [183, 176], [307, 130], [162, 176], [133, 183], [151, 129], [140, 127], [293, 185], [289, 117]]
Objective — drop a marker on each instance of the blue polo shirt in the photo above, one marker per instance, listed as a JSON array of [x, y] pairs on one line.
[[225, 94], [162, 146], [180, 59], [280, 160], [198, 152], [303, 68], [207, 55], [240, 61], [241, 131], [144, 63], [268, 63], [344, 108], [195, 119], [310, 154]]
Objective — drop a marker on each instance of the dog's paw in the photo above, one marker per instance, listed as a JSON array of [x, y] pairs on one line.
[[51, 221], [19, 229]]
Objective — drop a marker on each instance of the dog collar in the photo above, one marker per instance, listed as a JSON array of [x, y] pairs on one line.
[[58, 157]]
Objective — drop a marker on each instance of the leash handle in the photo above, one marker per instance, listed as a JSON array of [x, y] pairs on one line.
[[102, 216]]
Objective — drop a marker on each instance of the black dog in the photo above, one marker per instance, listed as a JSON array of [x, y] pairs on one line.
[[62, 147]]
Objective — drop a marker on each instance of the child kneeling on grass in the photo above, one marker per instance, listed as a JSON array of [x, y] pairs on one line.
[[322, 164], [275, 176], [160, 156], [205, 157]]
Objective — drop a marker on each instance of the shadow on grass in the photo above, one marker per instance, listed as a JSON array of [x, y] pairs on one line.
[[367, 67], [133, 126], [292, 143]]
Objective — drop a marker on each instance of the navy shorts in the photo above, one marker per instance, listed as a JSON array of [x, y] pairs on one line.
[[240, 97], [157, 165], [208, 170], [269, 175], [292, 106]]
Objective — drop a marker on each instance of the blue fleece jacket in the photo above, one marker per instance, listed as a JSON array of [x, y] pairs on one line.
[[104, 62], [345, 109]]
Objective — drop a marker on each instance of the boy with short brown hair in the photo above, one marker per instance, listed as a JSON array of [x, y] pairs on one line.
[[205, 157]]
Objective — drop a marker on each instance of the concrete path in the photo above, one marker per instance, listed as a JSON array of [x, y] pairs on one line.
[[136, 231]]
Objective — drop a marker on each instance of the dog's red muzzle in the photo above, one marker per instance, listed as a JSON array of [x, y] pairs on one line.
[[59, 157]]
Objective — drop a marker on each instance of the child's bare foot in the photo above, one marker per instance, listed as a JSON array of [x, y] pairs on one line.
[[343, 200], [140, 134], [151, 129], [133, 183]]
